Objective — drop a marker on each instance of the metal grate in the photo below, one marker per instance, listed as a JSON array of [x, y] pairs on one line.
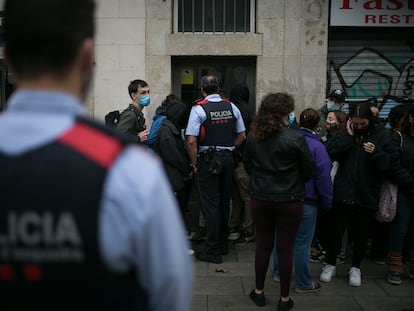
[[214, 16]]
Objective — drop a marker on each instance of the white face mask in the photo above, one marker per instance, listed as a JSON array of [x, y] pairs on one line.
[[332, 106]]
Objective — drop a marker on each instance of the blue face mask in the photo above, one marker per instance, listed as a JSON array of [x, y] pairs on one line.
[[145, 100], [291, 118], [332, 106]]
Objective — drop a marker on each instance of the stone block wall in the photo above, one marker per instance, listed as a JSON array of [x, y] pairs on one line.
[[135, 40]]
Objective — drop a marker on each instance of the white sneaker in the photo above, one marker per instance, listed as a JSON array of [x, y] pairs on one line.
[[328, 272], [355, 276], [233, 235]]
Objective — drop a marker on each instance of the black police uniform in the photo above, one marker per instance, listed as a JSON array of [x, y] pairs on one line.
[[216, 167], [49, 250]]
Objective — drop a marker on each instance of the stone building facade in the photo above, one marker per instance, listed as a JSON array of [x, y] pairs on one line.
[[287, 50], [304, 47]]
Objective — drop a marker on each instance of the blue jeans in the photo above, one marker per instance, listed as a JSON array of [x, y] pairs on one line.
[[302, 247]]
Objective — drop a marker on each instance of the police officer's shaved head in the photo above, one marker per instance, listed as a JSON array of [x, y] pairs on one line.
[[209, 84]]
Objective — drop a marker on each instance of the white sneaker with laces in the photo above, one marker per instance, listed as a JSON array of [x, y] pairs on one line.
[[355, 276], [328, 272]]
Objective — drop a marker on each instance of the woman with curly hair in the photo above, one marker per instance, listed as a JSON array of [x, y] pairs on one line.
[[279, 163]]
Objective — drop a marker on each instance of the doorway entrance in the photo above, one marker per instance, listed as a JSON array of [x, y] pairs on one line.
[[230, 71]]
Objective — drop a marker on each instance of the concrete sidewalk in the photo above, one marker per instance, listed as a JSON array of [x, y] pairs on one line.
[[218, 291]]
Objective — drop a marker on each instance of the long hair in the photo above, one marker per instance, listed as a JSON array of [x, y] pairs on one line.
[[362, 110], [399, 118], [342, 118], [269, 119], [45, 36]]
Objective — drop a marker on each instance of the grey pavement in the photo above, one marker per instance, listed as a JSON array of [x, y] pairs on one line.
[[218, 291]]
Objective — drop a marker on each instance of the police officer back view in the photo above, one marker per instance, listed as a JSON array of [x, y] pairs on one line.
[[79, 229], [214, 129]]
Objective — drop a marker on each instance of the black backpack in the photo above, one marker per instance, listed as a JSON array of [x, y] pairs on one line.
[[112, 118]]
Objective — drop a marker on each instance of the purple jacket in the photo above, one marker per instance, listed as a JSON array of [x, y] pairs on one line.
[[319, 188]]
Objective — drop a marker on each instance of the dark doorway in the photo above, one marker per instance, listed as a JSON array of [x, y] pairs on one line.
[[187, 72]]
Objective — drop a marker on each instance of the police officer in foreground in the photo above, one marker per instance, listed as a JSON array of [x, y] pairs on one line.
[[79, 229], [215, 128]]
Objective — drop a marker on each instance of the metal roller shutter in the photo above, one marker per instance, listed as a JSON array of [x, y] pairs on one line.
[[371, 62]]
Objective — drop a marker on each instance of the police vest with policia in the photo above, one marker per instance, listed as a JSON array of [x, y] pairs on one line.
[[215, 128]]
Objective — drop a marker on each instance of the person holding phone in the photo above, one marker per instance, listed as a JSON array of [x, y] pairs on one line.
[[363, 163]]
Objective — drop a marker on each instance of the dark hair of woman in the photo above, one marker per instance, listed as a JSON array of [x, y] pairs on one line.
[[399, 118], [269, 119], [309, 119], [363, 111], [168, 99], [342, 117]]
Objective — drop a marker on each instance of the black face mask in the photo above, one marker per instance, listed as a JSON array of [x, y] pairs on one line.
[[361, 130], [330, 126]]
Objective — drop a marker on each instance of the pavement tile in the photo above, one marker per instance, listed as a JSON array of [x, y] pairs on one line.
[[406, 289], [218, 291], [239, 303], [218, 286], [199, 303], [339, 286], [386, 303], [240, 269]]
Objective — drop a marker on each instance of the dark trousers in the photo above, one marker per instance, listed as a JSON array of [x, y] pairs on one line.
[[402, 227], [214, 193], [380, 236], [358, 219], [281, 219], [183, 198]]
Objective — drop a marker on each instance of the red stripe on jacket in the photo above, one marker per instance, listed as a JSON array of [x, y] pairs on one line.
[[96, 145]]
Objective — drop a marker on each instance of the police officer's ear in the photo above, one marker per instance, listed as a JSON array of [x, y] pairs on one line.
[[87, 55]]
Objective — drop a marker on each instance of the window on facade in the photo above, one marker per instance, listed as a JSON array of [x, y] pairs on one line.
[[214, 16]]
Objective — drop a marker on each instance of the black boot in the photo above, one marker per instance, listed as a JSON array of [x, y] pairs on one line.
[[285, 305], [258, 299]]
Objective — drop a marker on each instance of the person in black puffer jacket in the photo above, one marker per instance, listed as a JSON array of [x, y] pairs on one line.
[[363, 164]]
